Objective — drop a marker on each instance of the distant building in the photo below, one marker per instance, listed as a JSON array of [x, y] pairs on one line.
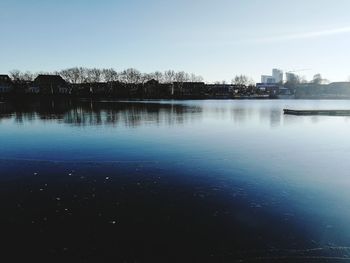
[[277, 74], [276, 77], [32, 89], [268, 88], [334, 90], [188, 88], [50, 84], [340, 85], [98, 88], [291, 77], [220, 90], [154, 89], [267, 79], [6, 84]]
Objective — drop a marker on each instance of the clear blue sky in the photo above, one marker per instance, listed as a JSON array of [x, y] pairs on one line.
[[216, 39]]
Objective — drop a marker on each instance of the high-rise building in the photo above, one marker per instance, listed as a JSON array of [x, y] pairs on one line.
[[291, 77], [277, 77], [277, 74]]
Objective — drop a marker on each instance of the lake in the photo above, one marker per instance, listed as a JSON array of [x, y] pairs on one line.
[[174, 181]]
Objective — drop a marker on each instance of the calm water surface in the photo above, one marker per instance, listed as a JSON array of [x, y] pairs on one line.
[[174, 181]]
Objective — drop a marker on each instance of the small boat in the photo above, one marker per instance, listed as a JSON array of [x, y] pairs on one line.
[[317, 112]]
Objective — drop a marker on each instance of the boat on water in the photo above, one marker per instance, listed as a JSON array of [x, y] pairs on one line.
[[317, 112]]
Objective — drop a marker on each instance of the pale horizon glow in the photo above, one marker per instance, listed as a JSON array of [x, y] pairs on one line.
[[306, 35]]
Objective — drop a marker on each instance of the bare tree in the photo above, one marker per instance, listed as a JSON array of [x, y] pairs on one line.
[[302, 79], [292, 81], [15, 75], [241, 80], [71, 75], [158, 76], [169, 76], [146, 77], [66, 74], [182, 76], [195, 78], [199, 78], [109, 75], [317, 79], [131, 75], [27, 76], [83, 75], [93, 75]]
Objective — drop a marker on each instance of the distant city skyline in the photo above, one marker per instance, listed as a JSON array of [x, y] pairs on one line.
[[216, 40]]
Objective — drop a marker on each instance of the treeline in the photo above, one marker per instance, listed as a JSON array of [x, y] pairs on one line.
[[129, 83], [78, 75]]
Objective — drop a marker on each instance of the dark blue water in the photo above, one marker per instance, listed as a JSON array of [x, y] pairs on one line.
[[175, 181]]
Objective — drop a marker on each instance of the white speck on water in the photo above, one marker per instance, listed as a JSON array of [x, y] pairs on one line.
[[35, 173], [70, 174], [58, 199], [107, 178], [255, 205], [113, 222]]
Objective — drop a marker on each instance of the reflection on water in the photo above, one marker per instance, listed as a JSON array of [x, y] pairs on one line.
[[135, 113], [83, 113], [174, 180]]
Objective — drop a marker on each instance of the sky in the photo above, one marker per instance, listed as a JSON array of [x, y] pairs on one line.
[[215, 39]]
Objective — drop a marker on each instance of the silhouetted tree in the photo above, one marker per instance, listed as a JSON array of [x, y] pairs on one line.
[[28, 76], [292, 82], [109, 75], [71, 75], [18, 76], [195, 78], [93, 75], [241, 80], [169, 76], [182, 76], [158, 76], [131, 76], [317, 79], [15, 75]]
